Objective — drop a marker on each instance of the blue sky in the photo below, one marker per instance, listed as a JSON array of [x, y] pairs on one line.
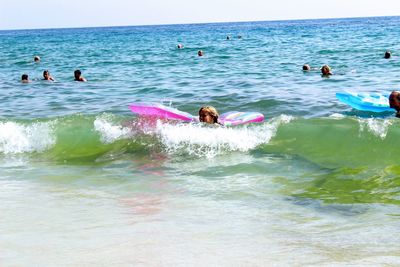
[[32, 14]]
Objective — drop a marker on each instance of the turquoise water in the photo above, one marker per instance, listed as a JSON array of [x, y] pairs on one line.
[[316, 184]]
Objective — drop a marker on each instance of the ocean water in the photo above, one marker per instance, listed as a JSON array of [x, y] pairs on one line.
[[83, 184]]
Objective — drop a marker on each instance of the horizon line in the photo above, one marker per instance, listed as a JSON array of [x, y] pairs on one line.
[[193, 23]]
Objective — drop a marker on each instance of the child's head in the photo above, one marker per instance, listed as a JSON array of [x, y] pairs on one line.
[[208, 114], [46, 74], [24, 78]]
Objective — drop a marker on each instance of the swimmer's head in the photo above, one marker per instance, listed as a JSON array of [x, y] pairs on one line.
[[326, 70], [180, 46], [36, 58], [200, 53], [394, 100], [77, 74], [208, 114], [24, 78], [228, 37], [387, 54], [46, 74], [306, 67]]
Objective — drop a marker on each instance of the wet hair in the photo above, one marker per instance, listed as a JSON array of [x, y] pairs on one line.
[[45, 72], [77, 75], [326, 67], [306, 67], [211, 111], [24, 77], [36, 58], [394, 100], [200, 53], [387, 54]]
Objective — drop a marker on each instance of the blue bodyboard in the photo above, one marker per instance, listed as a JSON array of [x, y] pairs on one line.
[[373, 102]]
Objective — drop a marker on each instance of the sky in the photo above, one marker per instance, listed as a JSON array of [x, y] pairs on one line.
[[35, 14]]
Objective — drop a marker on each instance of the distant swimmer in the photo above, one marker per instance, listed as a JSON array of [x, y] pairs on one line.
[[239, 37], [200, 53], [326, 70], [47, 76], [394, 102], [36, 59], [306, 67], [228, 37], [388, 55], [179, 46], [25, 78], [78, 76], [208, 114]]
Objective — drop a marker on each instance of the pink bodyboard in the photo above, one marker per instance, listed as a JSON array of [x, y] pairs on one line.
[[163, 112], [237, 118], [160, 111]]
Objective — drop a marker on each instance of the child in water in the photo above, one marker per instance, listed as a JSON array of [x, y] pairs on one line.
[[208, 114]]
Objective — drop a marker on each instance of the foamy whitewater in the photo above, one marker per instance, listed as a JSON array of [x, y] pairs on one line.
[[85, 182]]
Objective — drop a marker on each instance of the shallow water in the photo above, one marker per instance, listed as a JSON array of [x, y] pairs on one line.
[[316, 184]]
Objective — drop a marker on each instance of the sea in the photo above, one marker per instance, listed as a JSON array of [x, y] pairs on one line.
[[84, 182]]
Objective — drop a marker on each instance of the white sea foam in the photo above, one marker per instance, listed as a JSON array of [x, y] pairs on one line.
[[378, 127], [110, 132], [337, 116], [200, 140], [19, 138], [193, 138]]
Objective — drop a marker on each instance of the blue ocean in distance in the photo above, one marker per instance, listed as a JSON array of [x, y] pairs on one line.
[[316, 184]]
